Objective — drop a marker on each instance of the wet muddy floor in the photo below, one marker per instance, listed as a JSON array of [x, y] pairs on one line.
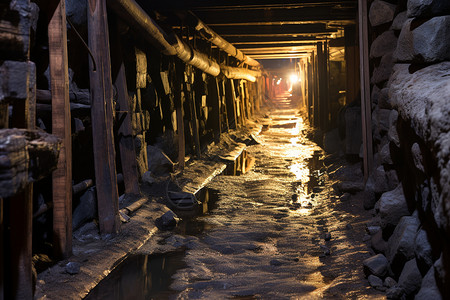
[[276, 231]]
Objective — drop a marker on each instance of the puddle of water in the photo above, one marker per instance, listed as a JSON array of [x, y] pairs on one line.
[[240, 166], [195, 225], [140, 277], [309, 182]]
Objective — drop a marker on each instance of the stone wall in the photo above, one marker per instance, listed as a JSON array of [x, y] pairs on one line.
[[410, 56]]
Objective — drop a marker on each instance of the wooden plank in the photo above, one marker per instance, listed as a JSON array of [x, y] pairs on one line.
[[365, 89], [102, 118], [61, 127], [20, 216]]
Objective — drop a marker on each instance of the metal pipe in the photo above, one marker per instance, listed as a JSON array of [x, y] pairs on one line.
[[220, 42], [195, 58], [134, 15], [239, 73]]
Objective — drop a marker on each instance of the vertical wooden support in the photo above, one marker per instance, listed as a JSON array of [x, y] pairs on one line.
[[216, 117], [125, 131], [316, 116], [231, 99], [351, 64], [2, 252], [61, 125], [21, 217], [223, 101], [102, 118], [365, 88], [125, 139], [178, 98], [193, 111]]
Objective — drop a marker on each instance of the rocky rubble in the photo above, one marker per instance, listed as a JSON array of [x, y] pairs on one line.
[[409, 181]]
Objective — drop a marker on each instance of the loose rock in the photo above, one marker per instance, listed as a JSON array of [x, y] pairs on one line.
[[376, 265], [393, 206], [376, 282], [410, 278], [72, 268], [429, 289]]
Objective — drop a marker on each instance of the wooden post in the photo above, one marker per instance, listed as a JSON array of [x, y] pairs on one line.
[[2, 251], [214, 100], [193, 112], [61, 127], [231, 99], [366, 107], [351, 64], [21, 217], [178, 98], [125, 131], [102, 118]]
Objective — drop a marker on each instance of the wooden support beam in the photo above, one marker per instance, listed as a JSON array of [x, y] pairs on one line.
[[125, 136], [214, 101], [102, 118], [125, 130], [2, 252], [231, 101], [20, 223], [61, 127], [193, 112], [366, 116], [178, 99]]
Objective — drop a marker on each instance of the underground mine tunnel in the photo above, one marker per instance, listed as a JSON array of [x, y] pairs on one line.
[[290, 149]]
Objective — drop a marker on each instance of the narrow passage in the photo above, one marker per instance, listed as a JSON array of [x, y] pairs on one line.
[[278, 231]]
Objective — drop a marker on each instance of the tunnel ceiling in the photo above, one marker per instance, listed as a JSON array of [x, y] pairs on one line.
[[268, 29]]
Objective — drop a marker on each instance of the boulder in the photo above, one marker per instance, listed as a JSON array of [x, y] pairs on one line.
[[422, 251], [383, 100], [378, 244], [72, 268], [381, 12], [167, 221], [158, 162], [410, 278], [392, 179], [376, 265], [389, 282], [377, 181], [383, 71], [399, 20], [385, 155], [383, 44], [86, 210], [427, 8], [401, 243], [426, 42], [395, 293], [369, 199], [429, 289], [376, 282], [393, 133], [422, 99], [393, 206], [417, 157]]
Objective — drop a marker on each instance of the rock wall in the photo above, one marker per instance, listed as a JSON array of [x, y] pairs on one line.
[[410, 58]]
